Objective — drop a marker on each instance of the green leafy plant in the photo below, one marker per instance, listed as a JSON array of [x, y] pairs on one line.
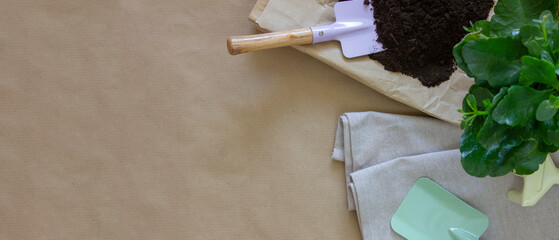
[[510, 118]]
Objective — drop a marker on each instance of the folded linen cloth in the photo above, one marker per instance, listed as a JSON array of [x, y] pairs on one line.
[[385, 154], [368, 138]]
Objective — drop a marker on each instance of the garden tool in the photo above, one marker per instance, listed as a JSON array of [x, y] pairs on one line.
[[354, 28], [430, 212]]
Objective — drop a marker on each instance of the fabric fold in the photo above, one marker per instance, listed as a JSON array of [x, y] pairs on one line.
[[364, 139]]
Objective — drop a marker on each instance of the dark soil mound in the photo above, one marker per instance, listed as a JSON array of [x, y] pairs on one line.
[[419, 34]]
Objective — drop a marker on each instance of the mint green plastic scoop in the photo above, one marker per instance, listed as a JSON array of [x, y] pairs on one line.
[[430, 212]]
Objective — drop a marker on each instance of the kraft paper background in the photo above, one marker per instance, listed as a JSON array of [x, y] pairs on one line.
[[128, 119]]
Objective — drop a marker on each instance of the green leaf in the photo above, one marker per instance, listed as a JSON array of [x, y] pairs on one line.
[[531, 165], [492, 134], [531, 37], [480, 93], [502, 165], [479, 29], [481, 81], [548, 148], [529, 32], [546, 56], [548, 19], [482, 27], [474, 156], [549, 132], [475, 104], [535, 49], [554, 37], [545, 111], [510, 15], [540, 37], [518, 134], [496, 59], [487, 103], [498, 98], [551, 137], [554, 100], [536, 70], [469, 103], [480, 162], [457, 53], [519, 106], [464, 123], [527, 157]]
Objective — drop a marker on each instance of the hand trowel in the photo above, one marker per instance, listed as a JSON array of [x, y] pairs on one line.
[[430, 212], [354, 29]]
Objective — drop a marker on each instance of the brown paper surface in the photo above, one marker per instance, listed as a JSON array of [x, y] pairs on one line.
[[129, 120], [442, 101]]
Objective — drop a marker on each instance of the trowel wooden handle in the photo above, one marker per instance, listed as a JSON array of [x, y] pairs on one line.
[[242, 44]]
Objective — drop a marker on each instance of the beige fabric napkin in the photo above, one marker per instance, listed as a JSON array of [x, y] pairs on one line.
[[369, 138], [385, 154]]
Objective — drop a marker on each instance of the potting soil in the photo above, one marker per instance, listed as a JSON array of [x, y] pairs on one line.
[[419, 35]]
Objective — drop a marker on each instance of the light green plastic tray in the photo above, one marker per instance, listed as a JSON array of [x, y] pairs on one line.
[[430, 212]]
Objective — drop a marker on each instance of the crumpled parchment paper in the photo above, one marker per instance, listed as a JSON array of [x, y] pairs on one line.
[[441, 102]]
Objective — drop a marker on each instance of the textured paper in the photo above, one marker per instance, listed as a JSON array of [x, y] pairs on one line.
[[442, 101], [378, 186], [128, 119]]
